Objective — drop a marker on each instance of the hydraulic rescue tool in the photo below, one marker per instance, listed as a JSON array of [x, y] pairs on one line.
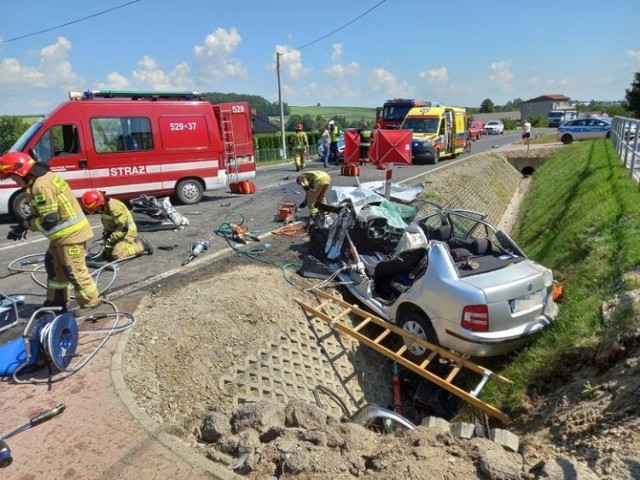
[[5, 452], [197, 247]]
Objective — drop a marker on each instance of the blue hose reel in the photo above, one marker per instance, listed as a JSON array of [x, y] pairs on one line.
[[48, 336]]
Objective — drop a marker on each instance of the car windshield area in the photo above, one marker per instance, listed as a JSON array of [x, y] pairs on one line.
[[24, 139], [422, 125], [556, 114]]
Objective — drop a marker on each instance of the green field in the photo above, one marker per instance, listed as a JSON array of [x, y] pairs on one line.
[[350, 113]]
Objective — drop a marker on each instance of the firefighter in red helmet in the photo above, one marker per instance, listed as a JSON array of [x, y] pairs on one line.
[[120, 231], [300, 144], [56, 214]]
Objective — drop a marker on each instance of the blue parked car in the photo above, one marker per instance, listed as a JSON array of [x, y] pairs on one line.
[[584, 129]]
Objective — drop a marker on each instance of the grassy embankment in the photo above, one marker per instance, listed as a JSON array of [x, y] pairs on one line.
[[582, 219], [349, 113]]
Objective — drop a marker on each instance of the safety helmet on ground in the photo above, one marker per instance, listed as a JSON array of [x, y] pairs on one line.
[[16, 162], [92, 200], [332, 122], [300, 127]]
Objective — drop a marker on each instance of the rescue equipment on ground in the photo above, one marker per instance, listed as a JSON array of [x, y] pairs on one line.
[[5, 453], [379, 334], [286, 211], [350, 170], [241, 233], [8, 318], [244, 187], [197, 247]]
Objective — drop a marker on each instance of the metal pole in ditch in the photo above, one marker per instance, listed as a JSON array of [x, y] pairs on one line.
[[387, 181]]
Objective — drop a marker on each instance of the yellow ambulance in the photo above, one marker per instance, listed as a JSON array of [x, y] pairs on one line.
[[438, 132]]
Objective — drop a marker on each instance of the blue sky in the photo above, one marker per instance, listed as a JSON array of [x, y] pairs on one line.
[[457, 53]]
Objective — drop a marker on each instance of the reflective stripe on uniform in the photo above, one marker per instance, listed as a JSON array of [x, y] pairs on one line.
[[65, 228], [55, 285]]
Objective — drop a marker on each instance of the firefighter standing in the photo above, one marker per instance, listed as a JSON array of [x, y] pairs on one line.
[[316, 183], [120, 231], [57, 214], [300, 144], [365, 142], [334, 131]]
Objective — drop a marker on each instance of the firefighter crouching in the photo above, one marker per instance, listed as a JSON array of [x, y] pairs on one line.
[[58, 216], [120, 231], [316, 183]]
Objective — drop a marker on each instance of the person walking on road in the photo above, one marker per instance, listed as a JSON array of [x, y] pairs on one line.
[[526, 132], [56, 214], [316, 183], [300, 144], [334, 132], [120, 232], [326, 142]]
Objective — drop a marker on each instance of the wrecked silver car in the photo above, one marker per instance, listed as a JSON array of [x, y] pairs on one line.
[[448, 276]]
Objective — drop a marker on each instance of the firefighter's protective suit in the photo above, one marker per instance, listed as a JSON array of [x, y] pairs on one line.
[[58, 215], [120, 232], [316, 183]]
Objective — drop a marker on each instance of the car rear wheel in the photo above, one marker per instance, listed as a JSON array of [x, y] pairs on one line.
[[189, 191], [418, 324], [566, 139]]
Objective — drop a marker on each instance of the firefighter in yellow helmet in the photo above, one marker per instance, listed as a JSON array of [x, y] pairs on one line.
[[58, 216], [316, 184], [300, 144], [120, 232]]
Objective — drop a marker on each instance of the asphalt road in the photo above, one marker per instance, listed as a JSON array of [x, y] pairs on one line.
[[275, 185]]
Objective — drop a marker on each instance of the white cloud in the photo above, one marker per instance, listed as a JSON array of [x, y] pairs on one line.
[[115, 81], [352, 69], [634, 54], [291, 65], [387, 83], [549, 85], [52, 71], [214, 59], [501, 74], [336, 53], [436, 75]]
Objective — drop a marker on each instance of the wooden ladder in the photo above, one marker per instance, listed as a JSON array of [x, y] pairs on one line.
[[373, 337]]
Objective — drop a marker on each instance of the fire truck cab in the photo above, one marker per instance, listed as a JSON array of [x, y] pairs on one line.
[[393, 112], [129, 143]]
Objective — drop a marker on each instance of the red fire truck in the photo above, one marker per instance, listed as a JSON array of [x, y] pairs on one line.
[[393, 112], [128, 143]]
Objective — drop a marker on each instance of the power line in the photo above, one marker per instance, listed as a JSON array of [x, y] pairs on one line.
[[336, 30], [68, 23]]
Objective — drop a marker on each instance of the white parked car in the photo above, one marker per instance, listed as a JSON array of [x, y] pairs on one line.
[[493, 127], [584, 129]]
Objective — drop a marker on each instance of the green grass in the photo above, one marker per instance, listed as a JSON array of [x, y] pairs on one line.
[[350, 113], [582, 219]]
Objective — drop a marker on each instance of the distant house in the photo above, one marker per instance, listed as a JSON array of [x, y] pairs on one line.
[[261, 124], [541, 106]]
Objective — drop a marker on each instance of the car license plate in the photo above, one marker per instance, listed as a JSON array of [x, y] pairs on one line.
[[527, 302]]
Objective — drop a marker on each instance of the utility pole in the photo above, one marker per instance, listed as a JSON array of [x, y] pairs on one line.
[[284, 142]]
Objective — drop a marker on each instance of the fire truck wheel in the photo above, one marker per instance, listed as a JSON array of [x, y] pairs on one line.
[[189, 191], [19, 206]]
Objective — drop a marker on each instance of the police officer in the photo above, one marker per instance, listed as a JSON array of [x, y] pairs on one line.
[[58, 216], [300, 144], [120, 231], [316, 183], [334, 131], [365, 142]]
